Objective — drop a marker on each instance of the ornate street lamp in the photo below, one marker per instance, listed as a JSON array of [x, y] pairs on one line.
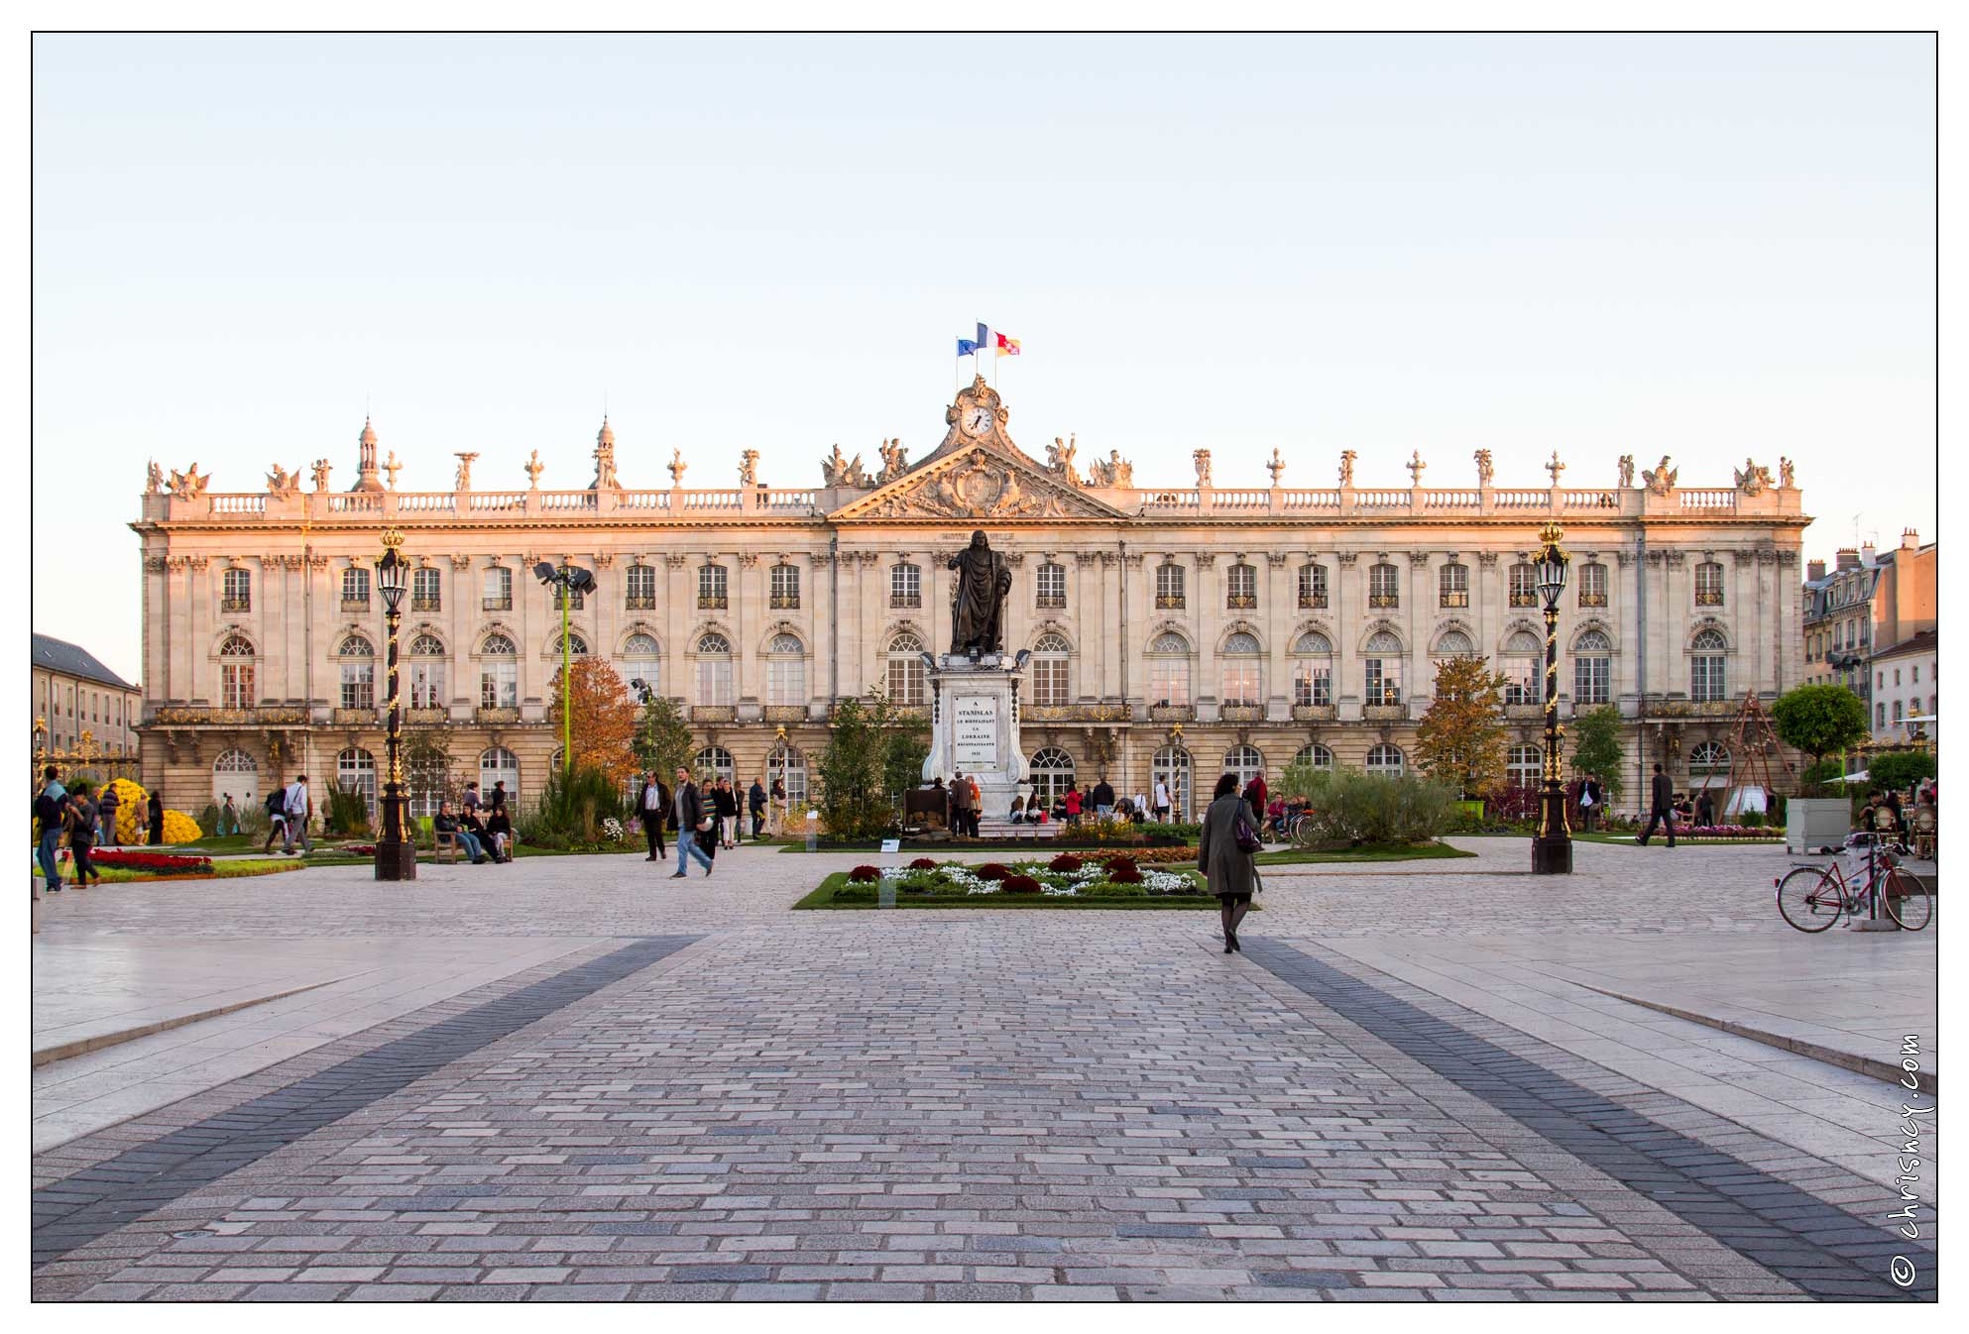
[[1551, 850], [396, 856], [568, 579]]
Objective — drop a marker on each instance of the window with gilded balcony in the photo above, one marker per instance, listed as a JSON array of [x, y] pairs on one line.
[[1052, 586], [784, 588], [355, 589], [1453, 585], [1709, 584], [711, 589], [905, 585], [1169, 587], [236, 591], [1312, 587], [497, 585], [1241, 587], [1524, 585], [1382, 589], [639, 588], [1593, 584], [426, 590]]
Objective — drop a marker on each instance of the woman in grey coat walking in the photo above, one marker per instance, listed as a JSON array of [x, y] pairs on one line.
[[1228, 867]]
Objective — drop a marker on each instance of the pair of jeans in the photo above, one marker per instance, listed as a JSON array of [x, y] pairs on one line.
[[687, 848], [44, 853], [1104, 812], [300, 823], [108, 836], [470, 843]]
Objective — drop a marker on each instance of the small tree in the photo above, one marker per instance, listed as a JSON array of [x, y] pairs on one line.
[[874, 754], [1460, 740], [1596, 748], [1819, 719], [604, 731], [1898, 770], [663, 739], [427, 764]]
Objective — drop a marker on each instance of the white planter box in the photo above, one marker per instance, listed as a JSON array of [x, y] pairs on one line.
[[1812, 823]]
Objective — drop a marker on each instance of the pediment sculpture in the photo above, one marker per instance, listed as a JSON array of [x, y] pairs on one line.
[[839, 470], [283, 483], [895, 462], [1752, 479], [1059, 459], [978, 486], [189, 483], [1115, 471], [1661, 479]]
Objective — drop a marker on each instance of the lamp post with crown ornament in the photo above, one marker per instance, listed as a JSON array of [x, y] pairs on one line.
[[1551, 850], [396, 856]]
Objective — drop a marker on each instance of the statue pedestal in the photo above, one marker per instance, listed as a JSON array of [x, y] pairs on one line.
[[974, 727]]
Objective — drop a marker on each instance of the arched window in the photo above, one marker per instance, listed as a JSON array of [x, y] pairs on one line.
[[789, 766], [714, 761], [1383, 660], [1386, 760], [639, 588], [783, 584], [1707, 680], [1592, 584], [1051, 774], [1522, 662], [237, 673], [358, 664], [1523, 765], [1592, 668], [1709, 757], [1171, 765], [355, 771], [907, 680], [1244, 761], [355, 589], [1169, 669], [1241, 587], [499, 673], [1243, 675], [577, 646], [711, 588], [1049, 670], [1709, 584], [426, 672], [1169, 586], [1051, 583], [1454, 644], [1453, 585], [236, 774], [1312, 587], [238, 594], [1382, 588], [1314, 756], [1312, 670], [499, 765], [641, 661], [905, 585], [786, 670], [1524, 585], [714, 671]]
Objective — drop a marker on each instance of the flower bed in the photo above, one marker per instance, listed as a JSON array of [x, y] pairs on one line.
[[1119, 877], [158, 863]]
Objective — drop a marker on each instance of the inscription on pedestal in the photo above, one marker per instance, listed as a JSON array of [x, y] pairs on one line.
[[974, 732]]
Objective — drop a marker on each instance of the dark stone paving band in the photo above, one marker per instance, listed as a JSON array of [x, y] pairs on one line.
[[118, 1191], [1821, 1248]]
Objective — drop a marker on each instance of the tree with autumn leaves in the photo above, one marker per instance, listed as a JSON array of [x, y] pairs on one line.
[[1461, 738], [605, 719]]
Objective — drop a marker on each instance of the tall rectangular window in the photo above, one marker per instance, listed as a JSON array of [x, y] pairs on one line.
[[639, 588], [905, 585], [1169, 680], [1049, 680], [359, 685], [426, 685], [785, 588], [1052, 585], [1384, 681], [499, 684], [1592, 584], [1524, 585], [1382, 590], [711, 594], [1169, 587], [1592, 679], [1312, 683], [498, 589], [1709, 584], [425, 591], [238, 591], [1312, 587], [1453, 584], [355, 589], [1241, 587]]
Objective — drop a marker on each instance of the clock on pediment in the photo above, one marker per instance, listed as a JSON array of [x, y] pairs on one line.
[[978, 416]]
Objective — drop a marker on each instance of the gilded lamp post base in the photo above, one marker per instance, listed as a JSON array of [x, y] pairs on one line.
[[1551, 853], [396, 860]]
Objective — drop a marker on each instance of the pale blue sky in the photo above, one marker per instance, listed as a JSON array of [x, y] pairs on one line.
[[1701, 246]]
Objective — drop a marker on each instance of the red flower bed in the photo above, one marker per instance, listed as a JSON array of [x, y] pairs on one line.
[[1123, 872], [1020, 884], [1066, 861], [864, 875], [161, 863], [923, 864], [992, 871], [1114, 865]]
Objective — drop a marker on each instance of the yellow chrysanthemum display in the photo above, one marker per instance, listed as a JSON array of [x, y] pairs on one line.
[[178, 827], [130, 819]]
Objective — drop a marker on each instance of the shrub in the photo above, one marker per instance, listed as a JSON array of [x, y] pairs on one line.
[[208, 816], [992, 871], [179, 827], [130, 816], [348, 812], [1113, 864], [1124, 873], [864, 875], [1349, 806], [923, 864], [1020, 884], [1116, 889], [572, 811], [1066, 861], [1898, 770]]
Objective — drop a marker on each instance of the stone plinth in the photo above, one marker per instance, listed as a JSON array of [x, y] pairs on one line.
[[974, 726]]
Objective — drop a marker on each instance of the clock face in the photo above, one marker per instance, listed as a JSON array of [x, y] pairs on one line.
[[977, 420]]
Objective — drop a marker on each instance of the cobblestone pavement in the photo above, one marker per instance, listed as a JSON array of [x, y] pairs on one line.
[[682, 1090]]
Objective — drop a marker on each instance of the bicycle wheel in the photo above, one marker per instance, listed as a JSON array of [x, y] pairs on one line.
[[1907, 900], [1809, 899], [1304, 832]]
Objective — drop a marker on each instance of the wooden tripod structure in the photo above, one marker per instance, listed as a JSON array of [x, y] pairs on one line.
[[1752, 743]]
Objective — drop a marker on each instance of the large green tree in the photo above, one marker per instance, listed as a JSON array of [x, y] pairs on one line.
[[1819, 719], [1460, 740], [663, 739], [1596, 748]]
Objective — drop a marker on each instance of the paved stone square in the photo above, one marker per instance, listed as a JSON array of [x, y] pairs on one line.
[[575, 1078]]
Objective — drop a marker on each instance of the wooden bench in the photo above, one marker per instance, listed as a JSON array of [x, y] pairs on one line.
[[445, 844]]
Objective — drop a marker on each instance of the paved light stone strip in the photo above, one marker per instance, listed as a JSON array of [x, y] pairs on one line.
[[98, 1200], [1824, 1250]]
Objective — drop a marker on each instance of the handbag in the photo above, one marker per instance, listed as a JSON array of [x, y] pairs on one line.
[[1248, 841]]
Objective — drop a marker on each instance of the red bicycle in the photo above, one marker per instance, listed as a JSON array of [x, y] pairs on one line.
[[1812, 898]]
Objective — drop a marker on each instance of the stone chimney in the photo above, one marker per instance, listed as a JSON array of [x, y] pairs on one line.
[[1910, 540], [1815, 570], [1846, 558], [1867, 553]]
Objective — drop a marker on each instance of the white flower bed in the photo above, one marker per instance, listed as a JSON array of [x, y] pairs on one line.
[[954, 877]]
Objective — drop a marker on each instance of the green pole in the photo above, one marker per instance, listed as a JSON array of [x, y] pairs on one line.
[[567, 692]]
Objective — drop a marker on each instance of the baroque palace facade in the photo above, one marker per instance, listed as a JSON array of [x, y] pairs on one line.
[[1174, 629]]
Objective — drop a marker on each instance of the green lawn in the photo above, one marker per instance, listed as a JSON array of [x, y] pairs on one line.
[[836, 892], [1372, 852]]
